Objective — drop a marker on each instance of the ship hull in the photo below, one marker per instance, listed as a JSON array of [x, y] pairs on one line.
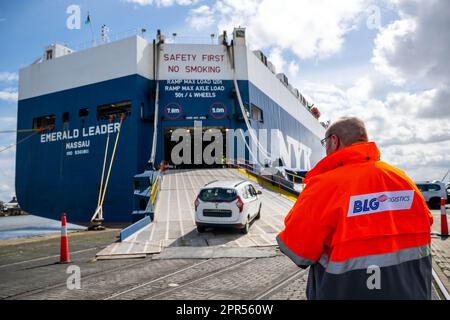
[[60, 169]]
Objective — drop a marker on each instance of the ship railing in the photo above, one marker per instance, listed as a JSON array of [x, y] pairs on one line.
[[253, 166], [277, 183], [154, 192], [96, 41]]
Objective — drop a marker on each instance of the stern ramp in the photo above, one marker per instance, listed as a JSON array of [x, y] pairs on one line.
[[174, 220]]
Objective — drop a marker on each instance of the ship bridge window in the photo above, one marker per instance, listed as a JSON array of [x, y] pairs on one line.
[[83, 112], [113, 109], [257, 113], [65, 117], [49, 54], [44, 122]]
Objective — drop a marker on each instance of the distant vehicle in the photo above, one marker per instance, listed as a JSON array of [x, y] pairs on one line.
[[11, 208], [433, 192], [227, 204], [448, 193]]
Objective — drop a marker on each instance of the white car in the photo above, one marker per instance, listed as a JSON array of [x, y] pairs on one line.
[[227, 204], [432, 192]]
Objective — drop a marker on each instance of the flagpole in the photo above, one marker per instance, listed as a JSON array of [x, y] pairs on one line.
[[93, 35], [88, 20]]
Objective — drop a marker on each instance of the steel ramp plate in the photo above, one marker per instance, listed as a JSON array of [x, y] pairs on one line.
[[215, 252], [174, 219], [131, 248]]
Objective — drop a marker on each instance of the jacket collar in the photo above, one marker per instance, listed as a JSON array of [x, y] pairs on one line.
[[355, 153]]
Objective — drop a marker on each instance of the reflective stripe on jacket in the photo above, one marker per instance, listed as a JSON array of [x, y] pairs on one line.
[[363, 227]]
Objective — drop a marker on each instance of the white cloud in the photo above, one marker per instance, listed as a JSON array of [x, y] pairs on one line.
[[433, 103], [201, 17], [276, 57], [9, 94], [163, 3], [141, 2], [361, 91], [310, 29], [405, 99], [293, 69], [8, 122], [7, 159], [417, 144], [421, 161], [417, 46], [8, 76], [7, 174]]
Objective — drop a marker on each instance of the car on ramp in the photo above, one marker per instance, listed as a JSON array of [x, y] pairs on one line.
[[234, 203]]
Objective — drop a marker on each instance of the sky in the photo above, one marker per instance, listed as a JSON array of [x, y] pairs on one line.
[[385, 61]]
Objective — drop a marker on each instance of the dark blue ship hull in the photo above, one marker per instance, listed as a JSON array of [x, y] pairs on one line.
[[51, 180]]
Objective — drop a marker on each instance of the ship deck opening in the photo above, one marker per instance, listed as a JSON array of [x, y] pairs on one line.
[[182, 146], [113, 109]]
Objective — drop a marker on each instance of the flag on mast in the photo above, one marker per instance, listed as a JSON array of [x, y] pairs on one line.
[[88, 19]]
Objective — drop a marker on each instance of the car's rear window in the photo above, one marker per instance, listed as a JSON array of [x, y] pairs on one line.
[[434, 187], [422, 187], [217, 195], [429, 187]]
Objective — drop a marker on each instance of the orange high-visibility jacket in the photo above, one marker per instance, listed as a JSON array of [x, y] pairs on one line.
[[363, 227]]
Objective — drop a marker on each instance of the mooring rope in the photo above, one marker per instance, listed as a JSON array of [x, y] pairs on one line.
[[35, 131]]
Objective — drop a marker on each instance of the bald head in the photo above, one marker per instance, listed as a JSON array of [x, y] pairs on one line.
[[350, 130]]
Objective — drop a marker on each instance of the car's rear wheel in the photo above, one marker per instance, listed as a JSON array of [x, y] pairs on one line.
[[434, 203], [244, 230], [200, 229], [259, 212]]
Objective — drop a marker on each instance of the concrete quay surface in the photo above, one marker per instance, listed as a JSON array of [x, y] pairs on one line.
[[218, 264], [29, 270]]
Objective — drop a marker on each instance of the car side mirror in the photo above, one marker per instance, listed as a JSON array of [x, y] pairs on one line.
[[259, 192]]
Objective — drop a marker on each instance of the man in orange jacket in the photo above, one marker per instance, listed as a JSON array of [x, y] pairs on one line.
[[361, 224]]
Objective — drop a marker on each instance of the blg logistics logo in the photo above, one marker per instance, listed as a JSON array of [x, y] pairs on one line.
[[379, 202]]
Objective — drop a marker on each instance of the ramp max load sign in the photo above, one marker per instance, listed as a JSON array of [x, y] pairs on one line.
[[179, 89]]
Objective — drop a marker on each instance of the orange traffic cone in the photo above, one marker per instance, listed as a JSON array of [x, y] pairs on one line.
[[64, 253], [444, 226]]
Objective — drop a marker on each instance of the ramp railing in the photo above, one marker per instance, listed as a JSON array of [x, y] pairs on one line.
[[146, 189], [281, 182]]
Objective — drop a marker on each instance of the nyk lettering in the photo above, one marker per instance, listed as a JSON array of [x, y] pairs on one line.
[[379, 202]]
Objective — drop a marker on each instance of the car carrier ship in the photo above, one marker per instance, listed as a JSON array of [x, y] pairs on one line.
[[108, 112]]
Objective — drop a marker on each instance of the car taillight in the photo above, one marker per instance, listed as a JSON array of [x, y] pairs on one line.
[[240, 204], [196, 203]]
